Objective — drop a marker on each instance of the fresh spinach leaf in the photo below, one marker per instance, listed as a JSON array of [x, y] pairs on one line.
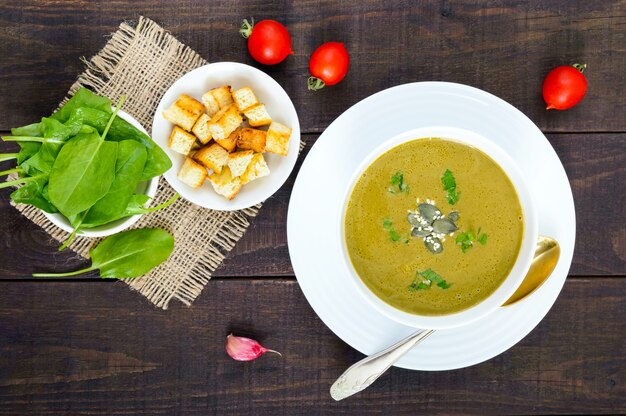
[[157, 163], [82, 98], [35, 130], [34, 193], [129, 164], [82, 173], [127, 254], [28, 150]]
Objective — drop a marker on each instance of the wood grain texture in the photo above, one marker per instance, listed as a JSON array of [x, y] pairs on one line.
[[504, 47], [97, 348], [595, 164], [94, 347]]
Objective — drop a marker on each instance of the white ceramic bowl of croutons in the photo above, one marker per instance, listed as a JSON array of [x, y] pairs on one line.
[[277, 103]]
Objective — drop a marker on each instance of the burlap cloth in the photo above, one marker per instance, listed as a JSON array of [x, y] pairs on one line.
[[142, 62]]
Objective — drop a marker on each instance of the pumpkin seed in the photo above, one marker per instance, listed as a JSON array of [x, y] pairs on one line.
[[424, 232], [428, 211], [444, 226], [453, 216], [434, 245]]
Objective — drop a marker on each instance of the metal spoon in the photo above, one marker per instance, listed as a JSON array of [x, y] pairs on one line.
[[363, 373]]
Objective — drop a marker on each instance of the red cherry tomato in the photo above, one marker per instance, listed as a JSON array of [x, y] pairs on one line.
[[269, 42], [328, 65], [564, 87]]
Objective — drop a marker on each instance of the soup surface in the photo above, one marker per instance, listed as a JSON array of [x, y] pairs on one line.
[[433, 226]]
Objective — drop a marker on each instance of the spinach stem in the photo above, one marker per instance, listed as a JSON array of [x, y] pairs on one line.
[[20, 180], [88, 269], [117, 109], [30, 139], [163, 205], [76, 230], [7, 156], [9, 171]]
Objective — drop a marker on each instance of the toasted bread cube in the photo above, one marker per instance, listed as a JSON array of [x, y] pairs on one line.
[[223, 96], [257, 115], [229, 121], [180, 141], [201, 129], [244, 98], [184, 112], [211, 106], [230, 143], [239, 161], [278, 139], [252, 139], [213, 157], [257, 168], [224, 183], [192, 173]]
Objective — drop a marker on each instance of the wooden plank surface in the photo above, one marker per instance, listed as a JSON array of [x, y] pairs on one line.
[[96, 348], [504, 47], [595, 164]]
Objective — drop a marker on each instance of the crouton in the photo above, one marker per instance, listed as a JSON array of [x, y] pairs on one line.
[[211, 106], [180, 141], [224, 184], [244, 98], [184, 112], [238, 162], [252, 139], [257, 115], [230, 143], [222, 96], [257, 168], [223, 126], [192, 173], [201, 129], [213, 157], [277, 140]]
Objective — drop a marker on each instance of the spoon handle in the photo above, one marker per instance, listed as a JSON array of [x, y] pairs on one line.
[[363, 373]]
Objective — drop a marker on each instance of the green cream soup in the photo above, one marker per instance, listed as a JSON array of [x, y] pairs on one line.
[[433, 227]]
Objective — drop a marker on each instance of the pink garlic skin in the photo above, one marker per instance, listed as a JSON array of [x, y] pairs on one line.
[[245, 349]]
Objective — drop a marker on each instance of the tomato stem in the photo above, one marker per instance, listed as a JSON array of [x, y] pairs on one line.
[[246, 27], [315, 84], [580, 67]]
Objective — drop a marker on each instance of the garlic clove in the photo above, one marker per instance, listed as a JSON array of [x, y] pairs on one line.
[[245, 349]]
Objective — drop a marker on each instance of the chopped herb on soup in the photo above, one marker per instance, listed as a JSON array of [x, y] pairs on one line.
[[424, 280], [397, 184], [466, 240], [449, 185], [394, 235]]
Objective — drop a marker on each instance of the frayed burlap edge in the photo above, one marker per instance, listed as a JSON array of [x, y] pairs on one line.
[[142, 62]]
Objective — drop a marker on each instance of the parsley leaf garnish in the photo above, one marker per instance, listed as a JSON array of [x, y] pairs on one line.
[[423, 280], [397, 181], [466, 240], [449, 185], [393, 234]]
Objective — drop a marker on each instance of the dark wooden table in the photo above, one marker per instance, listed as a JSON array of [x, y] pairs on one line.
[[93, 347]]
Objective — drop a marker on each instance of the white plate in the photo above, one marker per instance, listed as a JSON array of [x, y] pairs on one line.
[[279, 106], [146, 187], [315, 249]]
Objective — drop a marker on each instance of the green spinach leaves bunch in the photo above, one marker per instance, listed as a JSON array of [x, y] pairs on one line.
[[85, 163]]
